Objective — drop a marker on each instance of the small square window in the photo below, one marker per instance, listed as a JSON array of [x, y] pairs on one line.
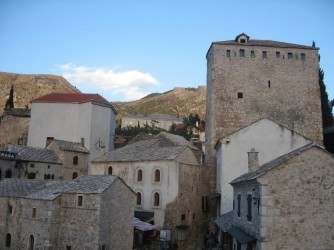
[[183, 216], [289, 55], [242, 53], [32, 165], [240, 95], [264, 54], [252, 53], [278, 54], [80, 201], [302, 56], [228, 53]]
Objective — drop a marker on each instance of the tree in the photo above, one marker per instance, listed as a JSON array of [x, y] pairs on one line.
[[10, 102], [326, 105]]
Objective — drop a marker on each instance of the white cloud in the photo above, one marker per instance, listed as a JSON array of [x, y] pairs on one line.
[[129, 84]]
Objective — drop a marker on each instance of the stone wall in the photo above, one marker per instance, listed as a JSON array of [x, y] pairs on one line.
[[297, 206], [242, 90], [14, 129]]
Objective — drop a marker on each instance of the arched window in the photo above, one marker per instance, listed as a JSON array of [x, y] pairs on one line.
[[138, 201], [75, 160], [8, 240], [110, 170], [74, 175], [157, 175], [8, 173], [140, 175], [156, 199], [31, 242]]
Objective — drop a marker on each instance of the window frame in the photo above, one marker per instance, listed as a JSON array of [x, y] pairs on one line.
[[241, 53], [156, 199], [264, 54], [8, 240], [80, 200], [239, 205], [140, 174], [75, 160], [249, 207], [157, 177], [139, 197], [110, 170]]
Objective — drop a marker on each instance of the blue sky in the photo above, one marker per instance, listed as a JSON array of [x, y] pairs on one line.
[[126, 49]]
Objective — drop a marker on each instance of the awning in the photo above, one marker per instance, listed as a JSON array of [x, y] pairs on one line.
[[240, 235], [143, 226]]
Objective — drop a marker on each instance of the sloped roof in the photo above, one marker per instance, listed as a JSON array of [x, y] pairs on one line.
[[154, 117], [32, 154], [176, 140], [225, 222], [19, 112], [49, 190], [73, 98], [265, 43], [71, 146], [272, 164]]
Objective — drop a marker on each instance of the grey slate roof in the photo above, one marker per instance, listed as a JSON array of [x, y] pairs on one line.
[[272, 164], [155, 117], [265, 43], [49, 190], [32, 154], [164, 146], [225, 222], [71, 146]]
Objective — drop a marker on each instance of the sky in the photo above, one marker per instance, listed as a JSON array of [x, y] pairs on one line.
[[125, 50]]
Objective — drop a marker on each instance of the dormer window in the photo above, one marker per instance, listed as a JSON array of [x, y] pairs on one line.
[[242, 38]]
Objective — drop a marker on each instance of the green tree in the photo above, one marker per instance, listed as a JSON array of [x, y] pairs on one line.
[[10, 102], [326, 105]]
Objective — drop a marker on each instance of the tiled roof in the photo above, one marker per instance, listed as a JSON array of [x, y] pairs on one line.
[[19, 112], [49, 190], [272, 164], [73, 98], [265, 43], [13, 187], [71, 146], [89, 184], [164, 146], [32, 154]]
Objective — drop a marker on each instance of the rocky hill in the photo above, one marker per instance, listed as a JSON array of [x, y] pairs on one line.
[[28, 87], [179, 101]]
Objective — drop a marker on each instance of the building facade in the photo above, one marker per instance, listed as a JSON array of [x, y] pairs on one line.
[[73, 117], [287, 203], [91, 212], [248, 80]]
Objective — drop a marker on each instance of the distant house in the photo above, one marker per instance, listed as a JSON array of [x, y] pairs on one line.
[[164, 122], [91, 212], [170, 183], [287, 203], [86, 118], [74, 156]]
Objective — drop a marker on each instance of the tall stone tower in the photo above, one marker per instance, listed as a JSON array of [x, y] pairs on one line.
[[252, 79]]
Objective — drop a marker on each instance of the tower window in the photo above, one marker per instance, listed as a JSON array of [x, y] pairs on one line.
[[252, 53], [80, 201], [228, 53], [264, 54], [268, 84], [242, 53], [110, 170], [302, 56], [240, 95]]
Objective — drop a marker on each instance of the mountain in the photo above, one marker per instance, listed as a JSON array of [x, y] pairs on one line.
[[179, 101], [30, 86]]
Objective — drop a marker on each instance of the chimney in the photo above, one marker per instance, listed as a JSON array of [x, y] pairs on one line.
[[253, 160], [82, 142]]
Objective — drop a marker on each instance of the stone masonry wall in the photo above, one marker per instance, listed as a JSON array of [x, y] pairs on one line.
[[281, 89], [297, 203], [14, 129]]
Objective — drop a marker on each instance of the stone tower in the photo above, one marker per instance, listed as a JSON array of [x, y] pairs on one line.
[[252, 79]]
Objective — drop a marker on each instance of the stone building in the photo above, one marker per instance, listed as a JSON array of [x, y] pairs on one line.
[[164, 122], [91, 212], [14, 126], [248, 80], [170, 183], [287, 203], [30, 162], [73, 117], [74, 157]]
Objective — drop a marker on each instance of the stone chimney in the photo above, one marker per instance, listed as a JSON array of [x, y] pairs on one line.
[[253, 160], [82, 142]]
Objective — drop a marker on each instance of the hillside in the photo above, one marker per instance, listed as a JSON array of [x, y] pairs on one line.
[[28, 87], [179, 101]]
